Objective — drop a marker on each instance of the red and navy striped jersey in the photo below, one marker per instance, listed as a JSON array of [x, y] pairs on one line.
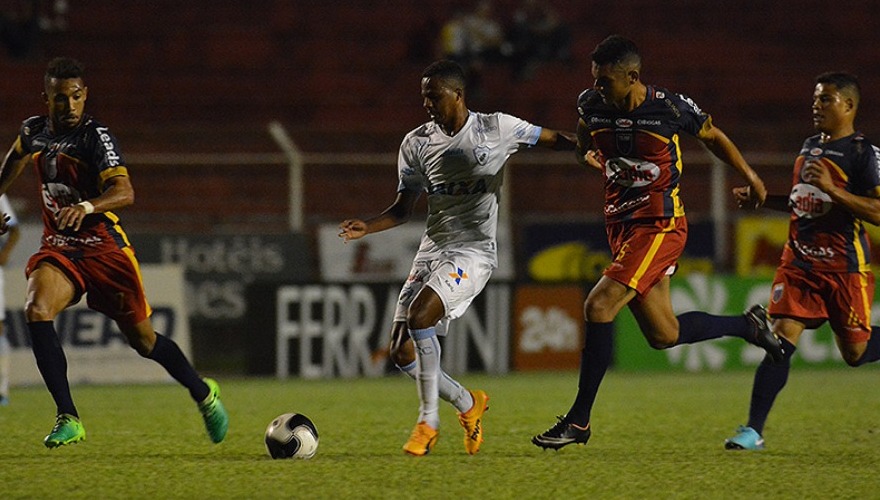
[[822, 235], [641, 152], [73, 167]]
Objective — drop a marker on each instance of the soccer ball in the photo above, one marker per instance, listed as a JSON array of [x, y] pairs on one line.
[[292, 435]]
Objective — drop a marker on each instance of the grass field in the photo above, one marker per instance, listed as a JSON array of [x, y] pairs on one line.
[[655, 436]]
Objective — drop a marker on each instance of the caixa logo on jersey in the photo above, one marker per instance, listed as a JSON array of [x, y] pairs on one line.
[[809, 202], [631, 173]]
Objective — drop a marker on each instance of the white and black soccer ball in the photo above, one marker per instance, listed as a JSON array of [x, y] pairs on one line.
[[292, 435]]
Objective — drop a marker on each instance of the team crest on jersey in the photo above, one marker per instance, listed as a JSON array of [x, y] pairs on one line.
[[776, 296], [625, 140], [481, 154], [623, 122], [816, 152]]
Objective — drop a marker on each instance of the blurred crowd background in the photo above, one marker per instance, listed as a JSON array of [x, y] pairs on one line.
[[342, 76], [191, 88]]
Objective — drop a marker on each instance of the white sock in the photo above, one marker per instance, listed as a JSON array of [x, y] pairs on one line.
[[428, 374], [4, 365], [450, 390]]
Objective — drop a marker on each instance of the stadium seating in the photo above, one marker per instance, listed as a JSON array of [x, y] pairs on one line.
[[206, 77]]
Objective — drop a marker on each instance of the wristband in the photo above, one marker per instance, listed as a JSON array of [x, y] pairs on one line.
[[89, 208]]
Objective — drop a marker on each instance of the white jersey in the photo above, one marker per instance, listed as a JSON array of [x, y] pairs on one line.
[[462, 177]]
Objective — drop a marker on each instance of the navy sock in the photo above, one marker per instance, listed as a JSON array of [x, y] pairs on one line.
[[168, 354], [699, 326], [52, 364], [872, 350], [595, 359], [770, 378]]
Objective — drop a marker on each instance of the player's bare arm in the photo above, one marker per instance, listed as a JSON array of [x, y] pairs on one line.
[[863, 207], [557, 140], [721, 146], [118, 193], [398, 213], [13, 164], [745, 200]]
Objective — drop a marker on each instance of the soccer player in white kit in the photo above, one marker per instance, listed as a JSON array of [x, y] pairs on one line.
[[457, 159], [5, 251]]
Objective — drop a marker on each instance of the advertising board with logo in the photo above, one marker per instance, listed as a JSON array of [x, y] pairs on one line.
[[343, 330], [548, 327], [722, 295], [96, 351]]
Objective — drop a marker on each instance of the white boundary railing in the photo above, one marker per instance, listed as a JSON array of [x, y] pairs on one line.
[[296, 161]]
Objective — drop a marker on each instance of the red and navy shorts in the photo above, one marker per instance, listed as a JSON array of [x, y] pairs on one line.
[[112, 282], [844, 299], [644, 251]]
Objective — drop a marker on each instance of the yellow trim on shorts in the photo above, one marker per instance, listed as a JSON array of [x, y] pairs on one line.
[[866, 301], [129, 252], [649, 258]]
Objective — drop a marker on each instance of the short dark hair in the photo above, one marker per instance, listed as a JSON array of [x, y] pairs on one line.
[[845, 82], [63, 68], [449, 71], [616, 49]]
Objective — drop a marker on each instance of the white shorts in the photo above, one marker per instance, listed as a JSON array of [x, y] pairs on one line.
[[456, 277]]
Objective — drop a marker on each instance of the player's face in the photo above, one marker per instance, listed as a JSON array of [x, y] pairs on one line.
[[612, 82], [831, 109], [440, 101], [66, 99]]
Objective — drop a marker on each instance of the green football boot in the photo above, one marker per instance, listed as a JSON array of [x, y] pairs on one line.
[[68, 430], [214, 413]]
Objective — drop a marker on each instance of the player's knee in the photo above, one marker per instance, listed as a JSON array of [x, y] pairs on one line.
[[597, 309], [38, 311], [401, 351], [401, 356], [852, 359], [852, 353], [141, 347], [419, 319], [661, 342]]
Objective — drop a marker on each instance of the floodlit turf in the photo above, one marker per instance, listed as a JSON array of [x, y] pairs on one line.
[[654, 436]]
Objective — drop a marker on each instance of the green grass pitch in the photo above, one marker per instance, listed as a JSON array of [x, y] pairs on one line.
[[655, 436]]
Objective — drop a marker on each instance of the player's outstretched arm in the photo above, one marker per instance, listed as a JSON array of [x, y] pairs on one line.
[[557, 140], [13, 164], [721, 146], [745, 200], [398, 213]]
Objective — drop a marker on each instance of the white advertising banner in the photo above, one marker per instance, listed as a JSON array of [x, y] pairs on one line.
[[96, 351], [388, 255], [342, 330]]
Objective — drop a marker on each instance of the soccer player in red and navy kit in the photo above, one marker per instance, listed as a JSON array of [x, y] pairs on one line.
[[825, 273], [630, 131], [84, 251]]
